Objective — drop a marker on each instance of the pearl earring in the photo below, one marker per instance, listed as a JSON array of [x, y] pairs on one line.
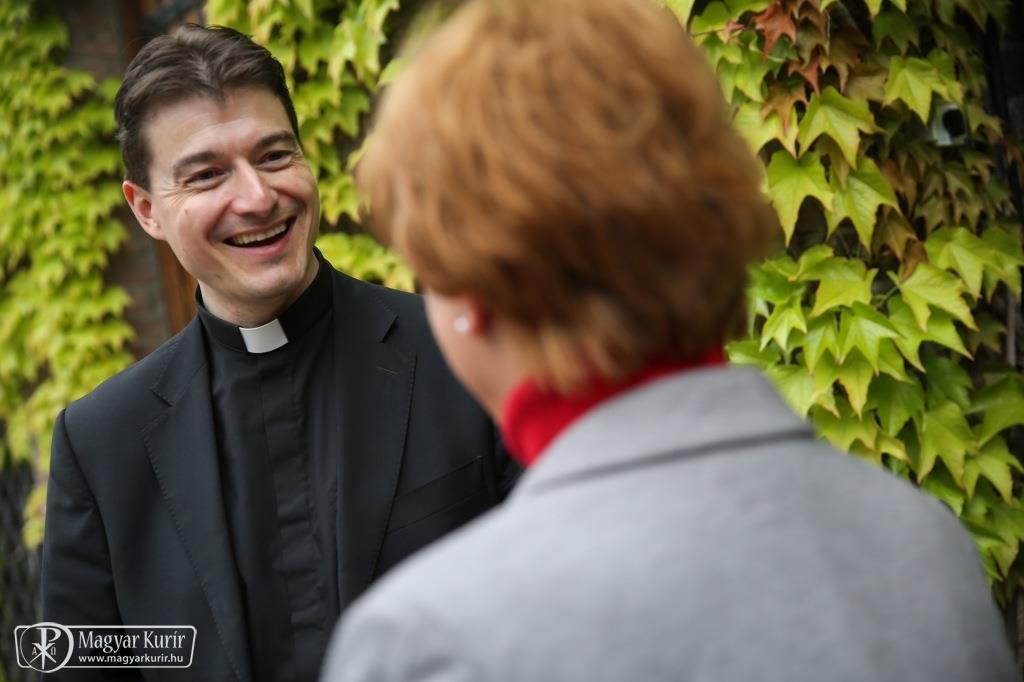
[[461, 324]]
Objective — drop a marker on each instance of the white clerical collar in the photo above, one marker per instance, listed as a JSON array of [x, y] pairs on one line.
[[265, 338]]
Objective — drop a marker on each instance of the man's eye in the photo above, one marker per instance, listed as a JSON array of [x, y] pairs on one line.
[[277, 157], [204, 177]]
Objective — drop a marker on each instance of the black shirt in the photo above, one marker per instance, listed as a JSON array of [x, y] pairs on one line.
[[278, 443]]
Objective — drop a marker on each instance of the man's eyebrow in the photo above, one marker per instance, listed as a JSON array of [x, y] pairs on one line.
[[280, 137], [178, 169]]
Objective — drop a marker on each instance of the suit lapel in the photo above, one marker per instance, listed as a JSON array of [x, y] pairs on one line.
[[374, 383], [182, 450]]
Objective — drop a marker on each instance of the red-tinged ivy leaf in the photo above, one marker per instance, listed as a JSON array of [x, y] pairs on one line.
[[934, 212], [842, 282], [895, 232], [930, 286], [758, 131], [1001, 406], [844, 51], [863, 328], [866, 190], [783, 320], [840, 118], [810, 71], [990, 333], [979, 164], [996, 463], [947, 381], [737, 8], [944, 434], [846, 429], [913, 80], [1010, 259], [821, 338], [790, 182], [782, 99], [794, 385], [896, 27], [866, 83], [855, 375], [901, 178], [895, 402], [748, 352], [775, 22]]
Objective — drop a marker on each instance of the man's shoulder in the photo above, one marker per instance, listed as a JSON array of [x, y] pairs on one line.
[[127, 393]]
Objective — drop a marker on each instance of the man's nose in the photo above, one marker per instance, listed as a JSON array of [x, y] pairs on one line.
[[252, 193]]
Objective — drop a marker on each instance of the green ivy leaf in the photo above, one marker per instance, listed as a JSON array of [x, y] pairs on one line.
[[944, 434], [821, 338], [758, 132], [847, 428], [855, 375], [895, 401], [1001, 406], [912, 80], [965, 253], [866, 190], [842, 282], [931, 286], [943, 488], [897, 27], [863, 328], [768, 284], [994, 462], [1009, 260], [839, 118], [783, 320], [794, 385], [791, 181], [947, 381], [749, 352]]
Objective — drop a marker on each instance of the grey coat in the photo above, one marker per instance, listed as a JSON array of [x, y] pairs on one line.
[[691, 529]]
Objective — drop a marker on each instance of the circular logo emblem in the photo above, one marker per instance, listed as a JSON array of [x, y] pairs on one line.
[[45, 647]]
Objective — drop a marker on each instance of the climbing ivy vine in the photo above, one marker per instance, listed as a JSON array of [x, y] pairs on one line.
[[882, 315], [61, 325], [882, 318]]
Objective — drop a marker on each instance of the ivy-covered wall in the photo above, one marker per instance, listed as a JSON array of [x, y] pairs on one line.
[[882, 317], [61, 326]]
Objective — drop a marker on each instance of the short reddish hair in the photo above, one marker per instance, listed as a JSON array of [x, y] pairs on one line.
[[571, 164]]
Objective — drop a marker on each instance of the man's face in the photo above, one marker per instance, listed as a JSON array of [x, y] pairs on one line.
[[233, 196]]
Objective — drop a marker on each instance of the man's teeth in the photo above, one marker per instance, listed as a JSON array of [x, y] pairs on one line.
[[244, 239]]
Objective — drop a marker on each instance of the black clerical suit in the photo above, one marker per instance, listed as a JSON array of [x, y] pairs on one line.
[[259, 522]]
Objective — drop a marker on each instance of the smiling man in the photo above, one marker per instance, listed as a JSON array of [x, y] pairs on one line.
[[298, 438]]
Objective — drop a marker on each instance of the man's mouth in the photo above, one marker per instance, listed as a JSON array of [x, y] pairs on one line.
[[264, 238]]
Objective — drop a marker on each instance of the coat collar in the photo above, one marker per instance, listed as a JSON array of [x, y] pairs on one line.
[[684, 414]]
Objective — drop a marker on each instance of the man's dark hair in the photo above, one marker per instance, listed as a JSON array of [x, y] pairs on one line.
[[195, 61]]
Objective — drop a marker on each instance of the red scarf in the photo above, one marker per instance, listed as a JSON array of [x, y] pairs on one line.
[[532, 416]]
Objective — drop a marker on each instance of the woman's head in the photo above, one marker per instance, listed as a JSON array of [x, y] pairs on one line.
[[568, 166]]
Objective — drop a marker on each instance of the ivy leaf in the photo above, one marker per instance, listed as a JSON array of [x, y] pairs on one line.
[[929, 285], [944, 488], [912, 80], [821, 338], [840, 118], [748, 352], [782, 99], [867, 83], [846, 429], [863, 328], [1009, 260], [990, 333], [895, 401], [947, 381], [769, 285], [866, 190], [843, 282], [855, 375], [760, 131], [775, 22], [994, 462], [714, 18], [810, 259], [959, 250], [941, 330], [681, 8], [791, 181], [783, 320], [1001, 406], [944, 434], [794, 385], [890, 361], [897, 27]]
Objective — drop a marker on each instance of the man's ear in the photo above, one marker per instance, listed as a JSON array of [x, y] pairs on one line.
[[142, 207]]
